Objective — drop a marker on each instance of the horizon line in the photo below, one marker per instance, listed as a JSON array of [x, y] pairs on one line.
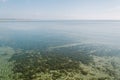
[[55, 19]]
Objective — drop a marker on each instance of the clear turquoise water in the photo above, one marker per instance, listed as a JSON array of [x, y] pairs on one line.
[[70, 38]]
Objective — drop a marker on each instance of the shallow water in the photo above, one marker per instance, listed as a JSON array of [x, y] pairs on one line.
[[99, 39]]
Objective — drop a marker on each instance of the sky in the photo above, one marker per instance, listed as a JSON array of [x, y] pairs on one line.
[[60, 9]]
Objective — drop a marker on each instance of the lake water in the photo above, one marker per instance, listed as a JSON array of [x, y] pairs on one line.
[[107, 32], [96, 38]]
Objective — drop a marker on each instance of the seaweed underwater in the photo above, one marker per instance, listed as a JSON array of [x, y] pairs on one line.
[[49, 56], [6, 72], [58, 65]]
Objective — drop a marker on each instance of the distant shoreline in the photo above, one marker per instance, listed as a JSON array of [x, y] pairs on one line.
[[37, 20], [64, 21]]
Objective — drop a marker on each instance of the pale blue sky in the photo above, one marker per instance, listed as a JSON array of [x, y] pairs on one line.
[[60, 9]]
